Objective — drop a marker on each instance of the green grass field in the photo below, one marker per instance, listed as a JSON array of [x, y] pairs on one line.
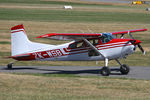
[[44, 16], [72, 16]]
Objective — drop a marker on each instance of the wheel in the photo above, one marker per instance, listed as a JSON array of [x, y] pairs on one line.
[[105, 71], [124, 69], [9, 66]]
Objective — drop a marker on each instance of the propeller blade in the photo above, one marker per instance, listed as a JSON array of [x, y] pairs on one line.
[[141, 48]]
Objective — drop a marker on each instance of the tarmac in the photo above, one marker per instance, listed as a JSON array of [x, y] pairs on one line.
[[136, 72]]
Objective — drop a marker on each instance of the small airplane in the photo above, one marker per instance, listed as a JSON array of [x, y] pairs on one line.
[[83, 47]]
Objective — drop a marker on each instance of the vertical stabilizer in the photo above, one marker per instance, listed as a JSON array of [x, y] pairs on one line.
[[19, 40], [20, 43]]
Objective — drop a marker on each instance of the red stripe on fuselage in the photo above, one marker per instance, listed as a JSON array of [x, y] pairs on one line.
[[73, 50], [98, 46]]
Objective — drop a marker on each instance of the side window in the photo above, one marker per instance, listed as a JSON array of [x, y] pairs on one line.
[[77, 45], [94, 41], [91, 41], [105, 38], [72, 46]]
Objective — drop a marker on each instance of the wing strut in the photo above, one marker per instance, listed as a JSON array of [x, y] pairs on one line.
[[94, 48]]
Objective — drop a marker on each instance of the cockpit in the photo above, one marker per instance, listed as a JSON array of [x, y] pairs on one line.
[[106, 37]]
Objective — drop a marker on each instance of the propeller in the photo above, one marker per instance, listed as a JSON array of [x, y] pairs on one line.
[[136, 42]]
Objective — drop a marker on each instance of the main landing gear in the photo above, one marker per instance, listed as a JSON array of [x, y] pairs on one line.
[[105, 71], [124, 69]]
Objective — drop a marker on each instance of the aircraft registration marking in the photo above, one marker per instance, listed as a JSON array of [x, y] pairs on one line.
[[48, 54]]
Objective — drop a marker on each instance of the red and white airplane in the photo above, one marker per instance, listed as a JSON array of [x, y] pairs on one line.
[[84, 47]]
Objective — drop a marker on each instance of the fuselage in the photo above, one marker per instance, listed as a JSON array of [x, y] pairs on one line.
[[79, 51]]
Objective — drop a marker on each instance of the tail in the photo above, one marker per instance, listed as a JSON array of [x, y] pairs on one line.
[[20, 43]]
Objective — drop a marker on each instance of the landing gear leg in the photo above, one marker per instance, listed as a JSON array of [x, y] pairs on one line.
[[9, 66], [124, 69], [105, 71]]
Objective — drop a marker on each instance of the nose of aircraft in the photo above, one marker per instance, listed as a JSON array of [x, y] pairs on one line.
[[135, 42]]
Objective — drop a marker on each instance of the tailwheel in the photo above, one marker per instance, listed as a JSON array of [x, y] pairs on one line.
[[9, 66], [105, 71], [124, 69]]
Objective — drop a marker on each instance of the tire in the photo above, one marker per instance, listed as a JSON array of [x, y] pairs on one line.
[[105, 71], [9, 66], [124, 69]]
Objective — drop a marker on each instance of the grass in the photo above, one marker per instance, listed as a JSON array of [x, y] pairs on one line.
[[138, 59], [82, 88], [72, 16], [5, 42], [58, 2]]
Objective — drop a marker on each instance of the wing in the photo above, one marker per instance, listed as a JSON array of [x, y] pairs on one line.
[[70, 36], [80, 36], [129, 31]]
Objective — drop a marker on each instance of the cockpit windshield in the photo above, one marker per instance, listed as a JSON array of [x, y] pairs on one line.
[[106, 37]]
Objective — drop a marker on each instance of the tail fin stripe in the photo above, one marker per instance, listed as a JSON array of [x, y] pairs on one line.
[[16, 31]]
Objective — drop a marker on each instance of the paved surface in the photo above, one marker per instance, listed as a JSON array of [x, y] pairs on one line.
[[135, 73]]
